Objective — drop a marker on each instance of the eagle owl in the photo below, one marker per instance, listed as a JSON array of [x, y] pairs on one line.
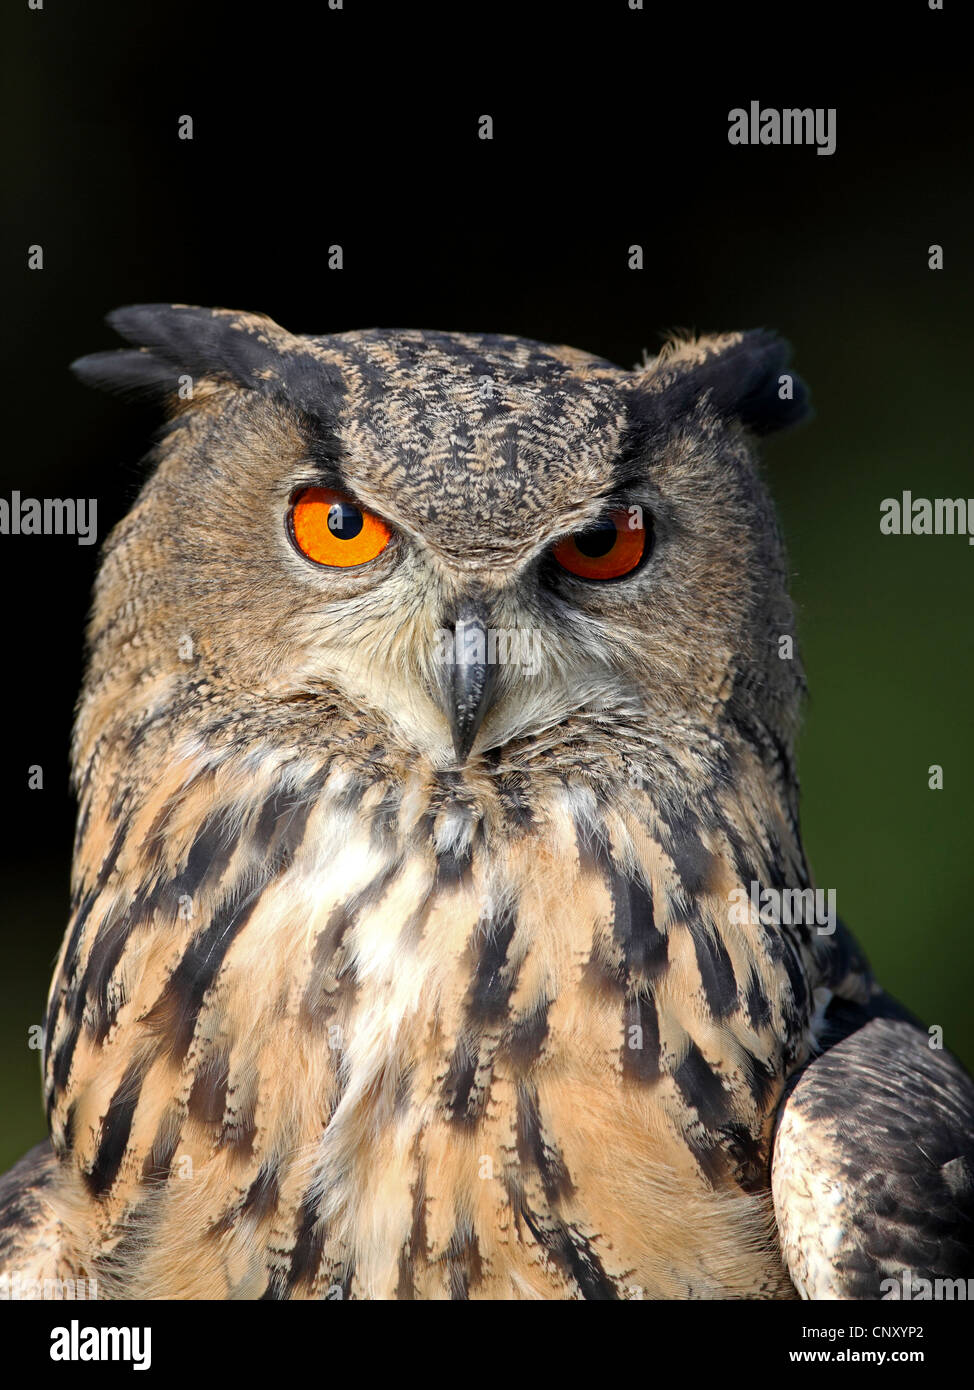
[[436, 744]]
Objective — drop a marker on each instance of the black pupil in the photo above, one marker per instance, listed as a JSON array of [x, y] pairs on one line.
[[597, 541], [344, 520]]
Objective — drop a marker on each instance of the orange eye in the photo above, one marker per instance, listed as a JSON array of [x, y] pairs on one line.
[[608, 550], [331, 529]]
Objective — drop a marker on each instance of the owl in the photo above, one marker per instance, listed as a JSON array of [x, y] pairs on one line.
[[441, 927]]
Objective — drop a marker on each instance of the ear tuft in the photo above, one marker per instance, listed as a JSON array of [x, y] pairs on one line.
[[173, 340], [744, 376], [127, 373]]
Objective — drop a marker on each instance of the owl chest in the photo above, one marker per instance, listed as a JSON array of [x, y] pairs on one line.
[[454, 1168], [474, 1127]]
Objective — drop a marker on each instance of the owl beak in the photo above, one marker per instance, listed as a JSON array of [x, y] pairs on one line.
[[469, 678]]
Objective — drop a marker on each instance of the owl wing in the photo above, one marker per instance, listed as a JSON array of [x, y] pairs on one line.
[[873, 1163], [30, 1232]]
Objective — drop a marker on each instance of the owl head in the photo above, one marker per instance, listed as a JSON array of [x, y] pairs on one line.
[[476, 546]]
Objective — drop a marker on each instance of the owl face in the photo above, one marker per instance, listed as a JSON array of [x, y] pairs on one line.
[[475, 543]]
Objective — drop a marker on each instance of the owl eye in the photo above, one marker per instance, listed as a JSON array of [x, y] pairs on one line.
[[608, 550], [330, 529]]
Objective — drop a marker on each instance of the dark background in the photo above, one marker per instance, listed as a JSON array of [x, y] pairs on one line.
[[359, 127]]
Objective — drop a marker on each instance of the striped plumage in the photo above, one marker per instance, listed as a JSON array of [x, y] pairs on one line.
[[340, 1014]]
